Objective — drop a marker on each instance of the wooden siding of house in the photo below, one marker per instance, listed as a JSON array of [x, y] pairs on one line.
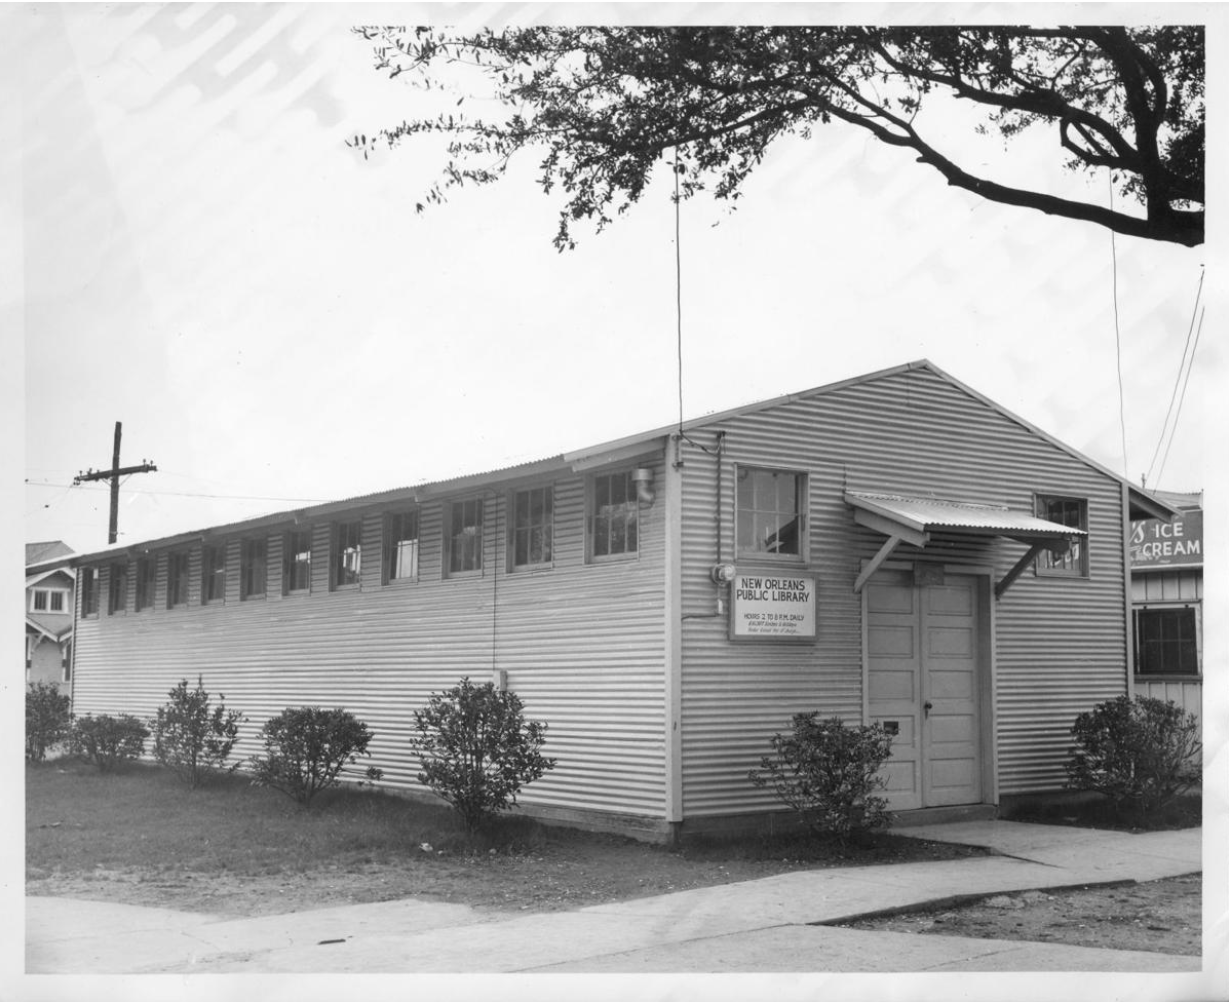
[[1174, 588], [581, 643], [1060, 642]]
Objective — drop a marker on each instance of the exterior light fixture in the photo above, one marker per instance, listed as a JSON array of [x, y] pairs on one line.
[[642, 478]]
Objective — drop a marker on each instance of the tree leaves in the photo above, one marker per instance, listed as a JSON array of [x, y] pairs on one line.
[[608, 104]]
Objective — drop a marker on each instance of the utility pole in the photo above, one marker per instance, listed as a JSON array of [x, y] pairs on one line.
[[114, 474]]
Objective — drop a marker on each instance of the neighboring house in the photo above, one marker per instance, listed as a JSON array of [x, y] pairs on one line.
[[1167, 603], [49, 612], [894, 548]]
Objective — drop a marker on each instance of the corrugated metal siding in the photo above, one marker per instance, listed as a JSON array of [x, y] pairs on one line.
[[582, 645], [1061, 644]]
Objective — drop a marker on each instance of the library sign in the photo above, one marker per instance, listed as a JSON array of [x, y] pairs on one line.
[[772, 607], [1157, 544]]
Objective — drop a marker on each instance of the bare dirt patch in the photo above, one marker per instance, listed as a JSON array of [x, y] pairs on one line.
[[1162, 916]]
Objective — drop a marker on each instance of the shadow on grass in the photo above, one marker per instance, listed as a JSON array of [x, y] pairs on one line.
[[1098, 813]]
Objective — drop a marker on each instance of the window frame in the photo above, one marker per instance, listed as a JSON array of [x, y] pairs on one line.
[[1194, 609], [630, 504], [246, 547], [178, 576], [89, 579], [340, 533], [801, 513], [1045, 563], [547, 526], [211, 572], [451, 536], [392, 542], [47, 593], [289, 562], [145, 583], [117, 599]]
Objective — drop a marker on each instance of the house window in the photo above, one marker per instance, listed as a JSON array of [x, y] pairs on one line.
[[177, 579], [117, 600], [615, 516], [347, 554], [770, 511], [1071, 512], [464, 536], [298, 574], [145, 583], [89, 592], [48, 601], [213, 573], [1165, 642], [401, 547], [532, 527], [253, 567]]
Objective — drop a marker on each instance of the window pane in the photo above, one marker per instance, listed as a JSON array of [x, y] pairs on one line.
[[1166, 642], [769, 516]]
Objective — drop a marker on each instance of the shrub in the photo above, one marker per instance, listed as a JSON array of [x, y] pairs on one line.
[[308, 749], [106, 741], [828, 772], [192, 737], [1140, 752], [477, 750], [48, 719]]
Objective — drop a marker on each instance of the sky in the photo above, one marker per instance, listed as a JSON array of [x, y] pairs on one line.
[[206, 261]]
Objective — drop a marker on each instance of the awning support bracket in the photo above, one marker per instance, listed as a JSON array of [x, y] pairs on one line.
[[1017, 568], [873, 566]]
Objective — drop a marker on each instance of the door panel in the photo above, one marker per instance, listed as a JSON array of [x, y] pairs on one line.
[[936, 753]]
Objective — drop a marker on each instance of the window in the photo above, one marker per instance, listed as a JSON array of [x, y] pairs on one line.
[[213, 573], [1068, 512], [49, 601], [532, 527], [347, 554], [464, 536], [401, 546], [177, 579], [89, 592], [298, 574], [145, 583], [1165, 642], [117, 600], [616, 516], [770, 507], [253, 567]]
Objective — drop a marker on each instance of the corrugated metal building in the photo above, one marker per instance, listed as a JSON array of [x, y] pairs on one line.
[[892, 548]]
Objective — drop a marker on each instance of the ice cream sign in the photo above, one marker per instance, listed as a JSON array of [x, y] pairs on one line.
[[1157, 544], [772, 607]]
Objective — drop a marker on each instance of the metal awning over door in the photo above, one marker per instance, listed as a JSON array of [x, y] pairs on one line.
[[911, 520]]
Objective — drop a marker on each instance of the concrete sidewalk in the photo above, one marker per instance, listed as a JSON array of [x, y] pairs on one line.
[[766, 925]]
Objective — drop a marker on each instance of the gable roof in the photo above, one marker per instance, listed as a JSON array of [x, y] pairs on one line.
[[1142, 504], [46, 550]]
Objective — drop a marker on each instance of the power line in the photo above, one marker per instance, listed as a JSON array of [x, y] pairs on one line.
[[1122, 413], [194, 495], [1178, 379], [1182, 397]]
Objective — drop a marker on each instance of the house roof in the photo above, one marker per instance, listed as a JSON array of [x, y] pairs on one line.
[[46, 550], [1142, 504]]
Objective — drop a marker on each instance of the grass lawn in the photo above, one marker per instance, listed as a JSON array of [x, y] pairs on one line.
[[141, 836]]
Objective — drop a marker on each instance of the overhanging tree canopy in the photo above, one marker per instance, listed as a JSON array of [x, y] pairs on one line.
[[606, 104]]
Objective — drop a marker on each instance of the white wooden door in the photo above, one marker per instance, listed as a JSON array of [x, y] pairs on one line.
[[923, 682]]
